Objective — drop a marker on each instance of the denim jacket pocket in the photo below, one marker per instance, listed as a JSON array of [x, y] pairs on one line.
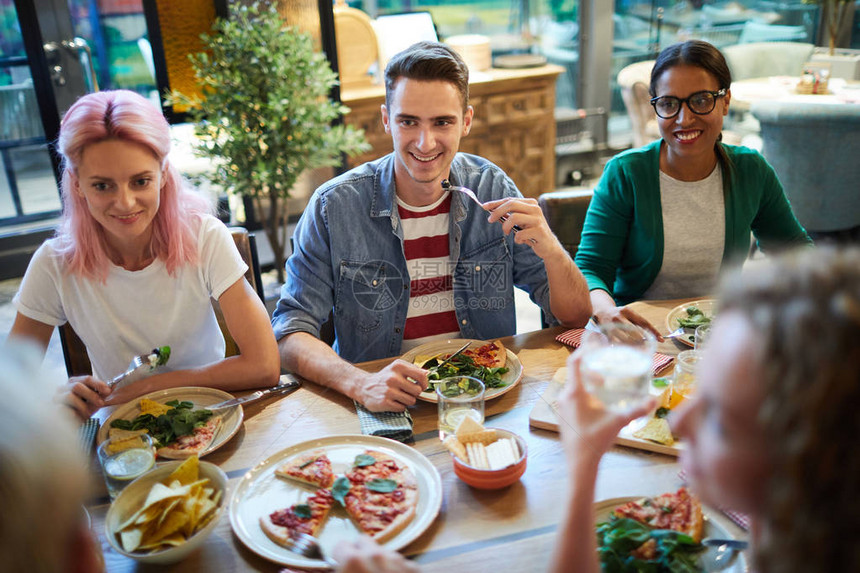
[[369, 289], [486, 271]]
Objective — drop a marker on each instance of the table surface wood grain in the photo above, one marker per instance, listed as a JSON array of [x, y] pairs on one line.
[[512, 529]]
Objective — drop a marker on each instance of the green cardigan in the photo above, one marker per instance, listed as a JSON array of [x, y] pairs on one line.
[[621, 250]]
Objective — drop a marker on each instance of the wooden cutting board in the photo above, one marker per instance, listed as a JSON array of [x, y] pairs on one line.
[[543, 416]]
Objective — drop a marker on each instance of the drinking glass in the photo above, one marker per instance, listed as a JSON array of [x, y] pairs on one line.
[[701, 336], [684, 376], [617, 363], [124, 459], [459, 396]]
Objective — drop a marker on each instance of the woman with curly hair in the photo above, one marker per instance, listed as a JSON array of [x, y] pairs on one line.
[[135, 262], [772, 431]]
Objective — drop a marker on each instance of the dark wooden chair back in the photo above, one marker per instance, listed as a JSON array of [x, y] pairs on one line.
[[75, 352], [565, 213]]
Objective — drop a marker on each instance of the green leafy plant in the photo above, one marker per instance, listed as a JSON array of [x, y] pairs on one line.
[[265, 116]]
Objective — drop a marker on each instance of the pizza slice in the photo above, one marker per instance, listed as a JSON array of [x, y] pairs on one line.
[[680, 511], [383, 495], [194, 443], [283, 525], [313, 468], [490, 355]]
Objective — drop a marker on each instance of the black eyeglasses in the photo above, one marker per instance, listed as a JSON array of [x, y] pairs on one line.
[[700, 103]]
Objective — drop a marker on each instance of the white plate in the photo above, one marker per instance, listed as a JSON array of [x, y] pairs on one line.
[[706, 305], [511, 378], [602, 509], [231, 420], [260, 492]]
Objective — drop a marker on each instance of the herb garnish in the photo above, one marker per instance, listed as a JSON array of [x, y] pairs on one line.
[[302, 510], [362, 460], [381, 485], [166, 428], [339, 489]]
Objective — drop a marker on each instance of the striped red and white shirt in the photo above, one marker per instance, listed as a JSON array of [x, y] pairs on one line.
[[431, 313]]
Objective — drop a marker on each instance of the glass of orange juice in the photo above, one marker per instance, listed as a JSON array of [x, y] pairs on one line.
[[684, 377]]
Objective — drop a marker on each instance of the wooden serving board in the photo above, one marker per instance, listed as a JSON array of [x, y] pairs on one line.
[[543, 416]]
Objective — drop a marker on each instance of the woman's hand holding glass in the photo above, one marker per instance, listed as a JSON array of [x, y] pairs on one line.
[[588, 427]]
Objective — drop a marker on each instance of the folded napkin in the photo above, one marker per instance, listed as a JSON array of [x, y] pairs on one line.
[[87, 435], [573, 338], [394, 425], [741, 519]]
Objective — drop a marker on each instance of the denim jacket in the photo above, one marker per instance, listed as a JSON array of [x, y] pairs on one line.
[[348, 256]]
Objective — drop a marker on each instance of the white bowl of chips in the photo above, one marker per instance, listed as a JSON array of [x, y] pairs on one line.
[[166, 514]]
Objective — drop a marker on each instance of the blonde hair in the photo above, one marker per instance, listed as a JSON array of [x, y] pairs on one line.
[[43, 477], [805, 309]]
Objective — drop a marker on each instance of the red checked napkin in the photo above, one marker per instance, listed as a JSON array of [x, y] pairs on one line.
[[741, 519], [573, 338]]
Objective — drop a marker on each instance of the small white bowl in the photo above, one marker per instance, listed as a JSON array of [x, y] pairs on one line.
[[132, 497]]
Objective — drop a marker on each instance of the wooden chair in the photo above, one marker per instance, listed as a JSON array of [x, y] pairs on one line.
[[565, 214], [75, 352]]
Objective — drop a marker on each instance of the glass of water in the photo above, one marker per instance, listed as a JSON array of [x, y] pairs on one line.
[[617, 363], [124, 459], [458, 397]]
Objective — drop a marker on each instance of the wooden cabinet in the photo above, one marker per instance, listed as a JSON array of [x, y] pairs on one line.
[[513, 126]]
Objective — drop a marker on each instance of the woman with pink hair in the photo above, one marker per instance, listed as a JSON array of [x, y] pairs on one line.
[[135, 261]]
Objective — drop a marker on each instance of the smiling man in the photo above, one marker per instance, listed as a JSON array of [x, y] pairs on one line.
[[400, 260]]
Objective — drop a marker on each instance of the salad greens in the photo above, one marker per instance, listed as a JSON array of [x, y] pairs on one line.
[[616, 539], [166, 428], [163, 355], [463, 365], [695, 318]]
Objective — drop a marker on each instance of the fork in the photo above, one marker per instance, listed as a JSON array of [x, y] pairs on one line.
[[676, 333], [471, 195], [308, 546], [136, 365], [721, 553]]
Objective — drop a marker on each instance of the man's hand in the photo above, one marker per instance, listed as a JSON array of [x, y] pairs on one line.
[[364, 555], [526, 214], [393, 388], [83, 394]]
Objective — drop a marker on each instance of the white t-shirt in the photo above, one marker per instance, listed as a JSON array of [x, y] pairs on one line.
[[133, 312], [694, 237]]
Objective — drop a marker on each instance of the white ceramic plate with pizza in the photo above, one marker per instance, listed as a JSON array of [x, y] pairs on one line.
[[708, 306], [442, 347], [260, 492], [712, 528], [231, 419]]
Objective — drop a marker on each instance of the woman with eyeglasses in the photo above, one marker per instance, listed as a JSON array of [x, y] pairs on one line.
[[667, 218]]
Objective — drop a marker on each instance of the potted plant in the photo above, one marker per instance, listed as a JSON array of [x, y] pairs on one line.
[[264, 116]]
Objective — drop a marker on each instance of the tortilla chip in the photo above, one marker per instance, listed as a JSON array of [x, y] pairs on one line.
[[656, 430], [483, 437], [118, 434], [131, 538], [121, 444], [186, 472], [148, 406], [468, 425], [456, 447], [173, 523]]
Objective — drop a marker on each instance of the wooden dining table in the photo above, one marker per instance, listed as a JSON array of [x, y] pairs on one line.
[[511, 529]]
